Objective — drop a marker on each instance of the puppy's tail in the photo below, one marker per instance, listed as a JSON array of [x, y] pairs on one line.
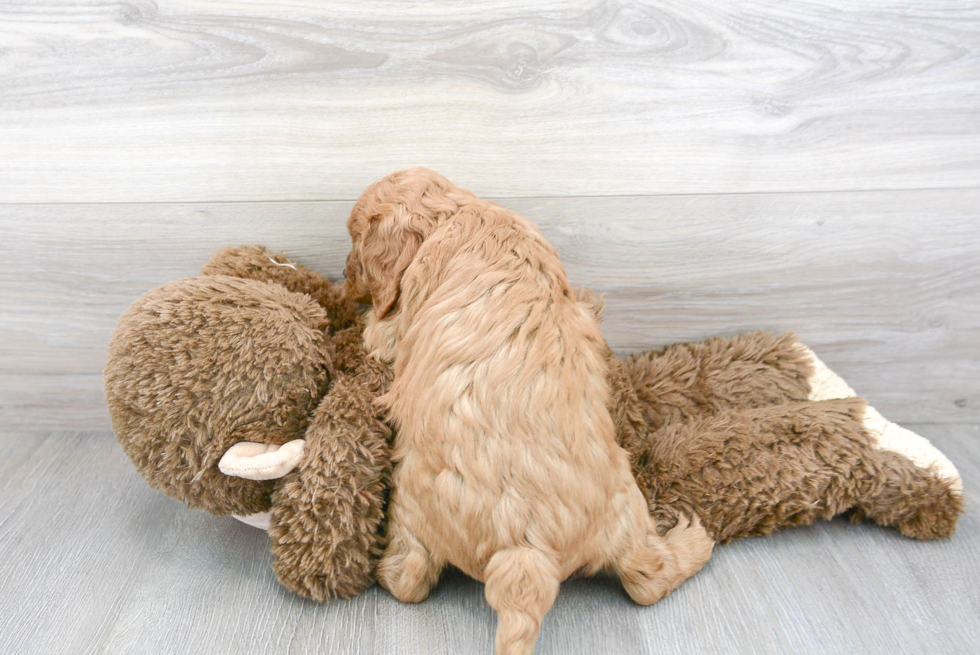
[[522, 584]]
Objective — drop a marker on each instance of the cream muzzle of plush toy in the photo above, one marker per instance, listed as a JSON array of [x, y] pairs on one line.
[[259, 461]]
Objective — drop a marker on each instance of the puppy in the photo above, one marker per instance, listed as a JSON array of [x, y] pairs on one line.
[[506, 464]]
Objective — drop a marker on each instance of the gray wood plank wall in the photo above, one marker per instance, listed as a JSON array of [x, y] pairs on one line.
[[309, 99], [714, 168]]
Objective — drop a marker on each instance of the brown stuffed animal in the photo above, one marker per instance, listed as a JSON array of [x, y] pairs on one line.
[[246, 390]]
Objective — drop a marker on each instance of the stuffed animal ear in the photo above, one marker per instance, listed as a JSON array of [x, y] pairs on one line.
[[387, 247]]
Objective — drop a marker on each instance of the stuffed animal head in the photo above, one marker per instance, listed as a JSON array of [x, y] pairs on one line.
[[202, 364], [218, 390]]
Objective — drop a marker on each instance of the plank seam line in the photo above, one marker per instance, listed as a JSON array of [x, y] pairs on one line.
[[495, 198]]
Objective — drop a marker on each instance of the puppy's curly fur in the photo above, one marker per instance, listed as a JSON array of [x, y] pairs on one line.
[[507, 465]]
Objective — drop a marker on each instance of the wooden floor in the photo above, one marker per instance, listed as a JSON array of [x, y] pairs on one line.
[[94, 561]]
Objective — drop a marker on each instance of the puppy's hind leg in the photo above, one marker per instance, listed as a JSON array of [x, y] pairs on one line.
[[654, 566], [407, 569], [521, 585]]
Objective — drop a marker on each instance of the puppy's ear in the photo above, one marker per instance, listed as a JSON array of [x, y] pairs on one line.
[[387, 248], [589, 299]]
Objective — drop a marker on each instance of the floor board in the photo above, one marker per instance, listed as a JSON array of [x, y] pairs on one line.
[[180, 100], [94, 561]]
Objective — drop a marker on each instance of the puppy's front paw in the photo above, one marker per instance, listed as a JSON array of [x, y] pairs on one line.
[[408, 579]]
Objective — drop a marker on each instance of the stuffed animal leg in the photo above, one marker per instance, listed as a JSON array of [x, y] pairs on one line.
[[754, 434]]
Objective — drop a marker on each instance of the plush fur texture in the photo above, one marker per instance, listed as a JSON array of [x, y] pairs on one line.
[[720, 428], [506, 461], [727, 433], [185, 382], [257, 263], [327, 516]]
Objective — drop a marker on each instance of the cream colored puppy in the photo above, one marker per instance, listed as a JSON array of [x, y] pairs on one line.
[[506, 464]]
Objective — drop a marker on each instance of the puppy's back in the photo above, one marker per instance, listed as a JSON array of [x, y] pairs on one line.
[[501, 394]]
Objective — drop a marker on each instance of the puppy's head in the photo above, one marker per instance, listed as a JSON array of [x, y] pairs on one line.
[[388, 224]]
